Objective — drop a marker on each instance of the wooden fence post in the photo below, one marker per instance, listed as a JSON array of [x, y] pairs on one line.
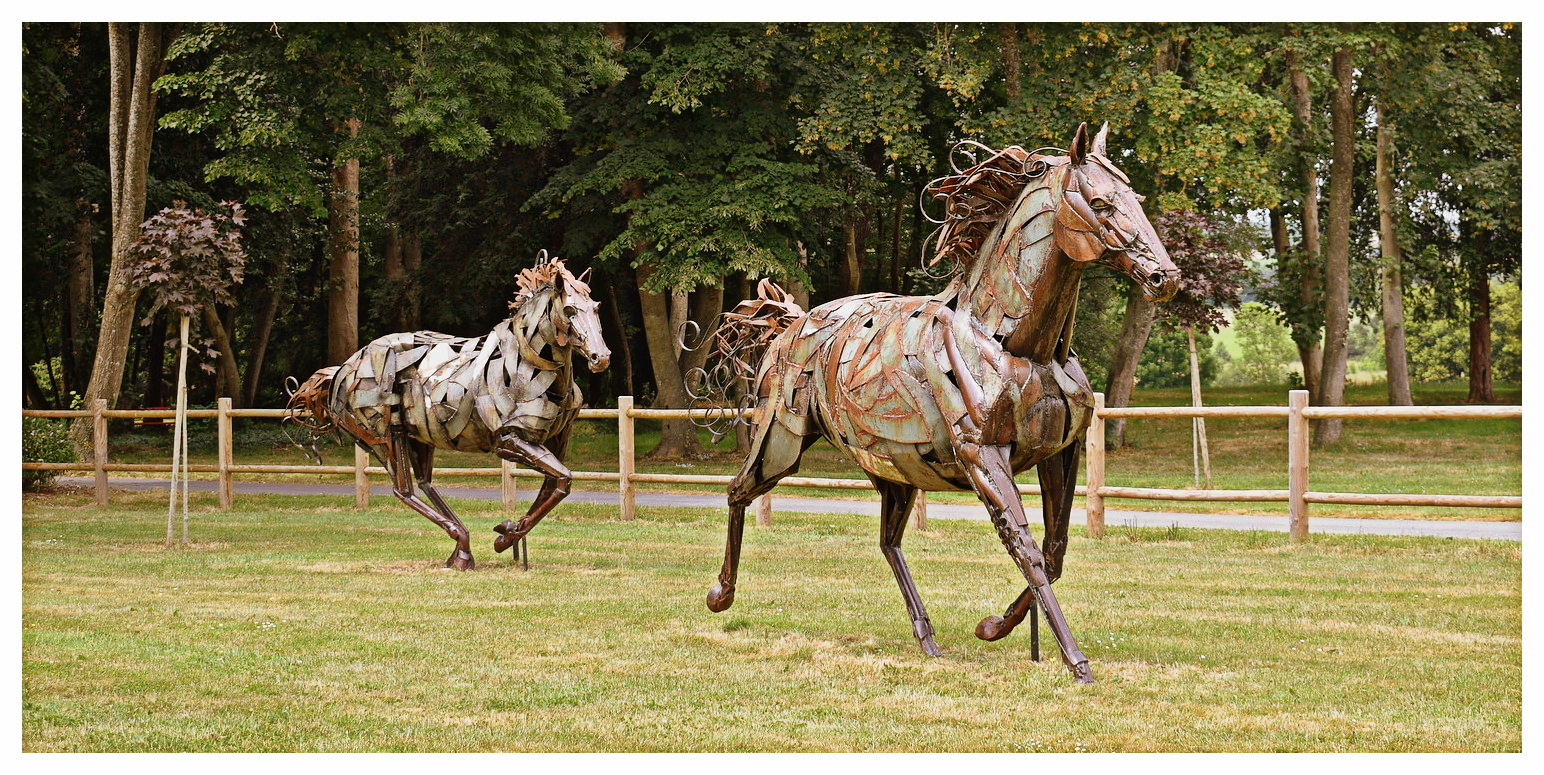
[[1297, 463], [764, 510], [625, 456], [361, 479], [99, 448], [227, 450], [1095, 478], [508, 480], [919, 511]]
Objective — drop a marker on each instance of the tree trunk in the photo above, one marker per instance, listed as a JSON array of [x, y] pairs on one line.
[[1481, 388], [895, 246], [80, 300], [131, 123], [1305, 323], [412, 264], [851, 270], [260, 334], [31, 392], [1393, 285], [225, 364], [343, 266], [796, 288], [677, 438], [1337, 253], [1012, 71], [616, 335], [1123, 362]]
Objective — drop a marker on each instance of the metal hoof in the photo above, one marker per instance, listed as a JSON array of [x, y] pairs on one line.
[[719, 598], [460, 560], [993, 628], [1082, 674], [508, 536], [930, 648]]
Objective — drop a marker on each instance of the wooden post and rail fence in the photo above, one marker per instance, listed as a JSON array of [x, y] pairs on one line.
[[1297, 414]]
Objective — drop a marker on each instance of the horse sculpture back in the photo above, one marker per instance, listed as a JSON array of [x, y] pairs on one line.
[[964, 389], [510, 392]]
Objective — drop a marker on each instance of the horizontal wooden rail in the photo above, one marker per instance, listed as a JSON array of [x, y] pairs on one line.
[[1383, 499], [1413, 412], [1151, 493], [1124, 412]]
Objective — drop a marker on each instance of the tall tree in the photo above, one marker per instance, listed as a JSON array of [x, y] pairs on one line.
[[1390, 282], [137, 58], [1337, 252]]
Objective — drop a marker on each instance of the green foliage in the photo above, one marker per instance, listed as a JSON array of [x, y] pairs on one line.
[[44, 440], [1438, 345], [1166, 359], [1266, 351]]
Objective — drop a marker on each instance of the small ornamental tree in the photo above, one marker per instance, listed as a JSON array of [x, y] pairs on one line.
[[1211, 274], [187, 259]]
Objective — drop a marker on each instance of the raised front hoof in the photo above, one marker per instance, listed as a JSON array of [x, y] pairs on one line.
[[461, 561], [1082, 674], [509, 535], [720, 598], [993, 628]]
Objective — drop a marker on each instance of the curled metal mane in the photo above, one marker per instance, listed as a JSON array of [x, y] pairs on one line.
[[725, 386], [974, 199], [305, 411]]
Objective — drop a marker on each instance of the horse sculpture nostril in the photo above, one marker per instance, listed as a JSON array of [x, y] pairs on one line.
[[598, 363]]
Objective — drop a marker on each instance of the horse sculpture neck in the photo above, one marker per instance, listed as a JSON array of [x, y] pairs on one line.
[[534, 334], [1021, 287]]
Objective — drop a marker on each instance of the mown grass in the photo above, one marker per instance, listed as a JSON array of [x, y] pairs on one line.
[[1467, 457], [292, 624]]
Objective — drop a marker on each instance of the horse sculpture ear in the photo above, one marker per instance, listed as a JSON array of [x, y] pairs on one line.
[[1079, 149], [584, 277], [1100, 139]]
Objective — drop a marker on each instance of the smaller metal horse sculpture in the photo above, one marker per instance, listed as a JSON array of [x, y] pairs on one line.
[[510, 392], [961, 390]]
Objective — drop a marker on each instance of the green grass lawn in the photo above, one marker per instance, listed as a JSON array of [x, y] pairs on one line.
[[1472, 457], [293, 624]]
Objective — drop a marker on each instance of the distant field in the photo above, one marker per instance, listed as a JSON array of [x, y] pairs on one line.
[[294, 624], [1480, 457]]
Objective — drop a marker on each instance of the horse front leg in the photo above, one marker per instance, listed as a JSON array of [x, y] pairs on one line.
[[1058, 480], [400, 468], [991, 477], [553, 490]]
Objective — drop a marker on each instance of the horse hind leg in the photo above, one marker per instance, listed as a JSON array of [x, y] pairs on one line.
[[897, 500], [397, 457], [422, 456], [775, 453]]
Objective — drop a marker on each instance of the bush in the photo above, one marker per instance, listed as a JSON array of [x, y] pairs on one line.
[[1166, 359], [43, 440]]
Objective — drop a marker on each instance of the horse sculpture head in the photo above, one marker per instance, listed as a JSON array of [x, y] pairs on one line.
[[575, 316], [1100, 218]]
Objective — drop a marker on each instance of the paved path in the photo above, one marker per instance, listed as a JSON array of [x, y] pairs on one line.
[[1507, 531]]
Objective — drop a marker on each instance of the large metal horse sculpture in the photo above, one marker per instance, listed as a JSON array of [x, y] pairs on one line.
[[964, 389], [510, 392]]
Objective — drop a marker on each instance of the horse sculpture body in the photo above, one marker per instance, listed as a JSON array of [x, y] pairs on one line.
[[964, 389], [510, 392]]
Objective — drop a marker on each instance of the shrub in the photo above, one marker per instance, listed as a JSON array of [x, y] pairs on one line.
[[43, 440]]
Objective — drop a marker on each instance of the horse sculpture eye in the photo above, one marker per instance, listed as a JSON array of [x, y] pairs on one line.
[[570, 310], [1099, 203]]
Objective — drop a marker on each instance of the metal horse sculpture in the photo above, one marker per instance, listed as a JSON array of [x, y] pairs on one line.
[[510, 392], [964, 389]]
